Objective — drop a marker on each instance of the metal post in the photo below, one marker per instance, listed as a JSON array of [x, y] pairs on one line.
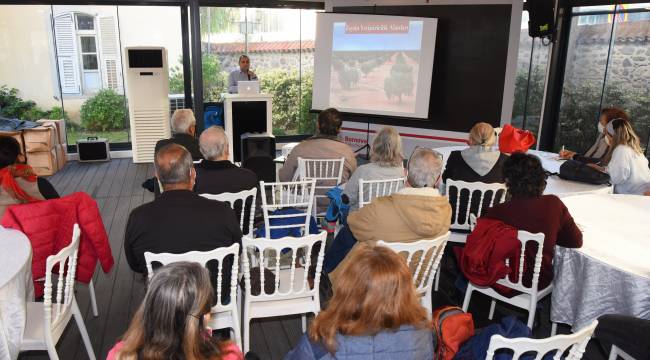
[[187, 64], [197, 70]]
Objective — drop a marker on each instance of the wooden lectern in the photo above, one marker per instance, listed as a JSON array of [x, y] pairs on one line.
[[246, 113]]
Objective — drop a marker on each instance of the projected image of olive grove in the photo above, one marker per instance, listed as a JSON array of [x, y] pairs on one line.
[[375, 65]]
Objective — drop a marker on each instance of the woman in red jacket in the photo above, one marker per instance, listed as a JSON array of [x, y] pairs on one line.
[[527, 209]]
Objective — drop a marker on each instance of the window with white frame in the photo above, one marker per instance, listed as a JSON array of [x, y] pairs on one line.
[[87, 51]]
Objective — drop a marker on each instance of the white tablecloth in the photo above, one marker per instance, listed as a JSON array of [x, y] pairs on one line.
[[610, 274], [551, 163], [16, 288]]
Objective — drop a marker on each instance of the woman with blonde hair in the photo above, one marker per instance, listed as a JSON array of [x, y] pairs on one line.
[[169, 325], [480, 162], [386, 163], [375, 311], [626, 164]]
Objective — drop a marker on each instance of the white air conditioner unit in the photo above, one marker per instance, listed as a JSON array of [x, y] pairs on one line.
[[147, 88]]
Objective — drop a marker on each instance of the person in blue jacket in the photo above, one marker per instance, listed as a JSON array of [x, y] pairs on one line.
[[374, 314]]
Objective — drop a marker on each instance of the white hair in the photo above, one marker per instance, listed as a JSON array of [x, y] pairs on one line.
[[424, 168], [213, 142], [182, 120]]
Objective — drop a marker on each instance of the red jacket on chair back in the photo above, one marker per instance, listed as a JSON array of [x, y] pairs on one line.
[[482, 260], [48, 225]]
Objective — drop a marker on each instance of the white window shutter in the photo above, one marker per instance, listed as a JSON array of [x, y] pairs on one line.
[[66, 51], [109, 52]]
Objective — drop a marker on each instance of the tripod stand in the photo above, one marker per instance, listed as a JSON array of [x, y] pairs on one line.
[[367, 145]]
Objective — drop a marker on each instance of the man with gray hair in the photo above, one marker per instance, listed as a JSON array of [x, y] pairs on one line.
[[216, 174], [416, 212], [178, 220], [183, 133]]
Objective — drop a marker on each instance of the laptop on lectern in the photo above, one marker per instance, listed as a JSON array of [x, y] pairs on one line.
[[248, 87]]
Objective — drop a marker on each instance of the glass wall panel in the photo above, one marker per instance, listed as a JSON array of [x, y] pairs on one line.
[[163, 28], [608, 64], [29, 87], [532, 61], [583, 83], [628, 75], [280, 45], [307, 120], [87, 43]]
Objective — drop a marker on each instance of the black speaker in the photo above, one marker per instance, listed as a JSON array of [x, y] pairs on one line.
[[253, 145], [541, 18]]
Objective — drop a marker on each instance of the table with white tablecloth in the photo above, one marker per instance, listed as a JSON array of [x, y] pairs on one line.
[[610, 273], [16, 288], [550, 163]]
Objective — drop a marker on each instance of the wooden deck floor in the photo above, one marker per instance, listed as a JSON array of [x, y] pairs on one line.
[[116, 186]]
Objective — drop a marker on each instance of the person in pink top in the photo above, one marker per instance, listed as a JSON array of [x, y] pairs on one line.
[[170, 321]]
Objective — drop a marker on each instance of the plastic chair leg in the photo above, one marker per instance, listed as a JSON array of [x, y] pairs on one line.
[[82, 330], [93, 299]]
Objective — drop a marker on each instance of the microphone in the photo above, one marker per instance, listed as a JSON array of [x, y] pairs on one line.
[[249, 75]]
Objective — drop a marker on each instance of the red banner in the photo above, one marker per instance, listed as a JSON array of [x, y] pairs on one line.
[[377, 27]]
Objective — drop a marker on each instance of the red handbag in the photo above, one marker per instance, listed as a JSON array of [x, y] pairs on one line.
[[515, 140]]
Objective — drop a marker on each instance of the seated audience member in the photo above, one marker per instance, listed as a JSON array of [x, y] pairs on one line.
[[324, 145], [479, 162], [527, 209], [416, 212], [183, 132], [216, 174], [385, 163], [170, 322], [374, 313], [178, 220], [626, 164], [18, 182], [600, 148]]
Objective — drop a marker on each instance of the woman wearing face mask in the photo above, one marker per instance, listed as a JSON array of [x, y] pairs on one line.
[[626, 164], [600, 148]]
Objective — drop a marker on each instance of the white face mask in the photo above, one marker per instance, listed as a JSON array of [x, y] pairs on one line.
[[601, 128]]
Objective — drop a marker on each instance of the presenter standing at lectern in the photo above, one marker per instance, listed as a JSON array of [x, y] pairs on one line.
[[243, 74]]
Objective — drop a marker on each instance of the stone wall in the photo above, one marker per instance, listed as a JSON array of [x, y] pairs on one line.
[[629, 59], [266, 61]]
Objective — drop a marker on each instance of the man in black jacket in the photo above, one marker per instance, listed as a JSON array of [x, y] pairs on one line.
[[179, 220], [183, 133], [216, 174]]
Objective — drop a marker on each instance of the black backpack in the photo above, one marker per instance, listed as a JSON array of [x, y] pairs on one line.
[[577, 171]]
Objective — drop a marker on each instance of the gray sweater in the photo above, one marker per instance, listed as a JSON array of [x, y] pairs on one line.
[[370, 171]]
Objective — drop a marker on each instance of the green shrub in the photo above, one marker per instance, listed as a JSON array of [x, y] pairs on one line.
[[57, 113], [291, 101], [12, 106], [104, 111]]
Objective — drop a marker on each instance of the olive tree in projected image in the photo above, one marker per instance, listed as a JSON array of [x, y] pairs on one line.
[[400, 81]]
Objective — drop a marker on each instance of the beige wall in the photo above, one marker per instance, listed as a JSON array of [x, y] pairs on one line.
[[26, 60]]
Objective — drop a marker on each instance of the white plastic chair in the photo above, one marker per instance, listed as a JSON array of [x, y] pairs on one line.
[[371, 189], [291, 292], [488, 195], [46, 321], [326, 172], [243, 197], [277, 195], [529, 296], [539, 347], [223, 316], [497, 133], [617, 351], [423, 274]]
